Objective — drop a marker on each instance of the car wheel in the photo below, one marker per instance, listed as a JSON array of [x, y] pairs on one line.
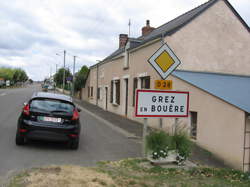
[[20, 140], [74, 144]]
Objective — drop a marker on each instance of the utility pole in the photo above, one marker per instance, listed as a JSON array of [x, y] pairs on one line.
[[50, 73], [64, 55], [129, 24], [54, 80], [73, 81]]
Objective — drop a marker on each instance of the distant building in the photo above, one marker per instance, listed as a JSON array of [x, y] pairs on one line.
[[213, 44], [2, 82]]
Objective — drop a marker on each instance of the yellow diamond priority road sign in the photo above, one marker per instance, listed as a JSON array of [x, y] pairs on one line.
[[164, 61]]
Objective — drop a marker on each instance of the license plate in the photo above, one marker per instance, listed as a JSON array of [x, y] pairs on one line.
[[50, 119]]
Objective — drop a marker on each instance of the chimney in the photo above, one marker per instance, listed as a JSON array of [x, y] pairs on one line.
[[123, 38], [147, 29]]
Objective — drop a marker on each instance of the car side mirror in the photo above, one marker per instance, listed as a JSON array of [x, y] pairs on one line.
[[79, 110]]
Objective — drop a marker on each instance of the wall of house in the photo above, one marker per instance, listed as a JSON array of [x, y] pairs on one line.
[[112, 71], [92, 80], [220, 126], [84, 90], [215, 41]]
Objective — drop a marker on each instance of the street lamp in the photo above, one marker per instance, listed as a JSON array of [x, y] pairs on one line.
[[64, 55], [73, 80]]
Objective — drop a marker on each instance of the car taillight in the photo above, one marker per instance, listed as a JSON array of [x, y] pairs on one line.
[[73, 135], [22, 130], [26, 109], [75, 115]]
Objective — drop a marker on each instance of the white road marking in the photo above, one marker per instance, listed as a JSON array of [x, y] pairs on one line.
[[2, 94]]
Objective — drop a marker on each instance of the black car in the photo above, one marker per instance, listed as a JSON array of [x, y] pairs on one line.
[[51, 117]]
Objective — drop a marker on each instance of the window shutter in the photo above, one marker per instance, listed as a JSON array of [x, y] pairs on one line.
[[111, 92], [118, 92], [134, 89], [147, 82]]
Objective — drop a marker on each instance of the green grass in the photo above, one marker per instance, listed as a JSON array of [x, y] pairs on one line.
[[17, 181], [131, 172], [139, 173]]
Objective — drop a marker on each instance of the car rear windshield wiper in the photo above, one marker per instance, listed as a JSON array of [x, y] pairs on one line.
[[39, 109], [59, 111]]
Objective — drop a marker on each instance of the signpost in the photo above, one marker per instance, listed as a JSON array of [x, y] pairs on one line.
[[69, 78], [161, 103], [157, 103], [164, 61]]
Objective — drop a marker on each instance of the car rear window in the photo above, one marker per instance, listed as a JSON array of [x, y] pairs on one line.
[[50, 105]]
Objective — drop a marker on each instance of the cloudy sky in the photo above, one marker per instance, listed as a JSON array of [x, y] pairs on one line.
[[34, 31]]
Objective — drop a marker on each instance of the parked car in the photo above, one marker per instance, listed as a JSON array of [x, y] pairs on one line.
[[45, 87], [51, 87], [51, 117]]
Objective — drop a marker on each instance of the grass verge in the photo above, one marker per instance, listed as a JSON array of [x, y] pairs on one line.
[[129, 172]]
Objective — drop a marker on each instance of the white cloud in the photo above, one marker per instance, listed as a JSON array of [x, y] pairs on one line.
[[32, 32]]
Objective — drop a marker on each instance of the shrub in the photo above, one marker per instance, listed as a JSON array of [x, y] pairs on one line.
[[182, 143], [160, 142]]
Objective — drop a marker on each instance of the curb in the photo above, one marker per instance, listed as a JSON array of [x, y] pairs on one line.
[[109, 124]]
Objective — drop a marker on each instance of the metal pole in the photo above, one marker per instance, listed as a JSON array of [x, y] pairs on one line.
[[73, 81], [50, 72], [129, 24], [64, 55], [160, 123], [144, 134], [175, 125]]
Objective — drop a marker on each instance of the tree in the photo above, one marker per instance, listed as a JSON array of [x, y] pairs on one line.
[[6, 73], [58, 77], [80, 78], [19, 76], [14, 75], [23, 76]]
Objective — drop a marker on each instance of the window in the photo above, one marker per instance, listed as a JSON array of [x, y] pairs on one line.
[[134, 89], [126, 56], [88, 91], [193, 125], [126, 60], [145, 82], [48, 105], [115, 92]]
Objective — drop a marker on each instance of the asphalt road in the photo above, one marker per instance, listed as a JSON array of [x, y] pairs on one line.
[[97, 141]]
